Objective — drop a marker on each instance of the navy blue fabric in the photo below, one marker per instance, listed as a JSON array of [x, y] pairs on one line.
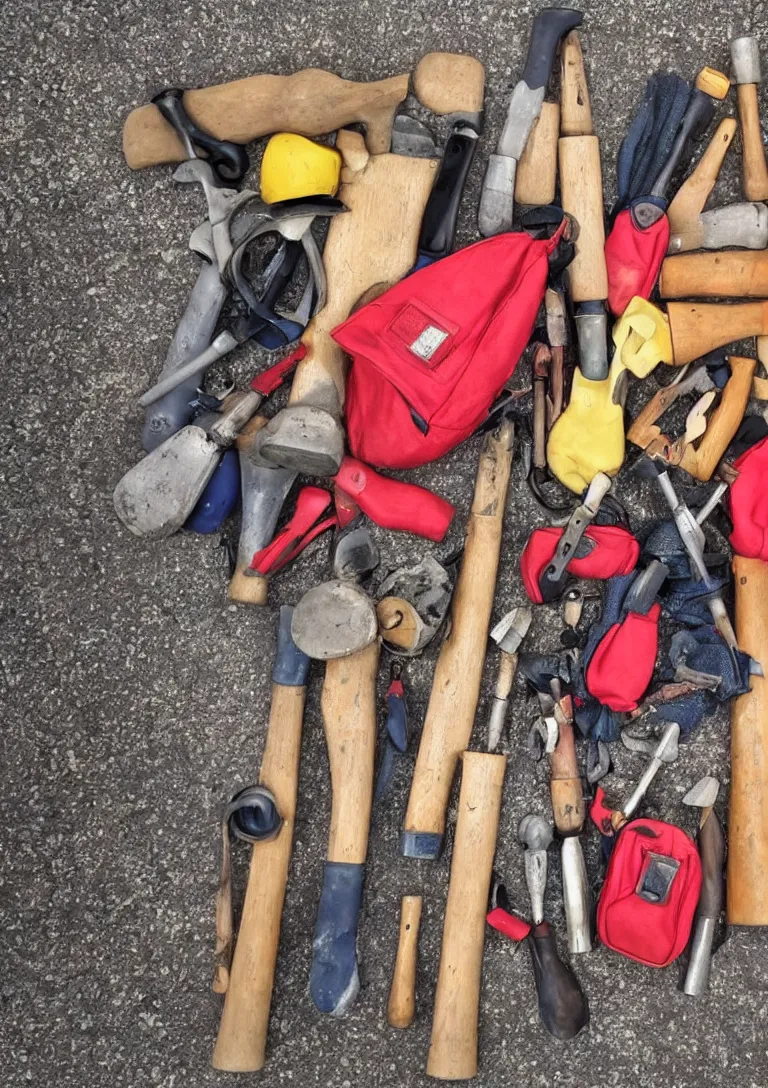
[[650, 136]]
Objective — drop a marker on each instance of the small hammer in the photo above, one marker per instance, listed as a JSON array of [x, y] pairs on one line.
[[745, 64]]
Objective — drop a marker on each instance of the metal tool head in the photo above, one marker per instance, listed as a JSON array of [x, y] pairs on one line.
[[511, 629], [534, 832], [410, 137], [355, 555], [156, 496], [745, 60], [665, 749], [703, 794], [333, 620], [305, 438]]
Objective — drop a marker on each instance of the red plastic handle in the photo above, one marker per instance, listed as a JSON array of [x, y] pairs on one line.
[[394, 504], [517, 929]]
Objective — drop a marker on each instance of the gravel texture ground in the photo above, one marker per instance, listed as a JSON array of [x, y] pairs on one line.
[[135, 697]]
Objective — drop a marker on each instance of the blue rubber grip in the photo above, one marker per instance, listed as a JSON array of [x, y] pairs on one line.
[[397, 722], [291, 665], [333, 980], [221, 496]]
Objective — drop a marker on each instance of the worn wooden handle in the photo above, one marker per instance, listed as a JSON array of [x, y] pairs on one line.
[[453, 1048], [575, 106], [730, 274], [581, 186], [456, 685], [402, 995], [536, 177], [699, 327], [753, 167], [723, 423], [747, 884], [241, 1042], [565, 786], [505, 677], [693, 194], [311, 102], [348, 704], [374, 242], [245, 586]]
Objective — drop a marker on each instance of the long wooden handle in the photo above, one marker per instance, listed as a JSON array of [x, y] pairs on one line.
[[536, 177], [724, 421], [575, 106], [753, 167], [731, 274], [374, 242], [311, 102], [348, 704], [402, 995], [747, 884], [241, 1042], [565, 785], [453, 1048], [689, 201], [699, 327], [456, 685], [581, 187]]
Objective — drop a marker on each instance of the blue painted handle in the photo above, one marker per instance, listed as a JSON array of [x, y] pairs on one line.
[[333, 981], [220, 497], [291, 665]]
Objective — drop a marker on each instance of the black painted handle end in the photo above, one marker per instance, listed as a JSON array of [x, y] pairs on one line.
[[549, 27]]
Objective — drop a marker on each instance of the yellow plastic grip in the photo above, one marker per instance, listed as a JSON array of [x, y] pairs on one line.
[[294, 167]]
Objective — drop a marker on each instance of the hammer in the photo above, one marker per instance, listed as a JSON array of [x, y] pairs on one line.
[[508, 633], [712, 850], [745, 63]]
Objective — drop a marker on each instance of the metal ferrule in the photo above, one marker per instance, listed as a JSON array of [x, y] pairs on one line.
[[576, 896], [592, 334], [700, 959], [497, 199], [745, 59], [425, 845]]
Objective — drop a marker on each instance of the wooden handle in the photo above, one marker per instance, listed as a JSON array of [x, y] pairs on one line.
[[505, 677], [245, 586], [242, 1037], [724, 421], [374, 242], [697, 328], [399, 623], [565, 786], [536, 178], [747, 884], [575, 106], [730, 274], [311, 102], [453, 1048], [449, 82], [456, 685], [693, 194], [348, 704], [402, 995], [753, 167], [581, 186]]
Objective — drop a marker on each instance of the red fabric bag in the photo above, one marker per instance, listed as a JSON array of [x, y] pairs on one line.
[[633, 259], [633, 918], [748, 497], [621, 667], [616, 552], [431, 354]]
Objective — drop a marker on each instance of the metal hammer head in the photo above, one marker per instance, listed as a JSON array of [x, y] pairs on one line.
[[665, 749], [745, 60], [534, 832], [703, 794], [511, 629]]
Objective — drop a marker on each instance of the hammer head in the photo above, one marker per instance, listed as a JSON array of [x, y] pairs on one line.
[[703, 794], [511, 629], [745, 60], [534, 832]]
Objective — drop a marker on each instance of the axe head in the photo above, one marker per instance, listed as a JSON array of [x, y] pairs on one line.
[[412, 139], [703, 794], [511, 629]]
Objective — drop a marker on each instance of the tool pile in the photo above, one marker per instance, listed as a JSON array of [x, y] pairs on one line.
[[400, 349]]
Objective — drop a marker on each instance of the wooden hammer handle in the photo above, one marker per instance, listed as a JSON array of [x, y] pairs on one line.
[[453, 1048], [699, 327], [311, 102], [754, 170], [724, 421], [692, 195], [565, 786], [575, 106], [456, 685], [402, 995], [747, 883], [241, 1042], [730, 274]]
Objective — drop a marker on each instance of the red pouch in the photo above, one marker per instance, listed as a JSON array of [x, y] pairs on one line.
[[621, 667], [431, 354], [748, 497], [633, 259], [616, 552], [650, 894]]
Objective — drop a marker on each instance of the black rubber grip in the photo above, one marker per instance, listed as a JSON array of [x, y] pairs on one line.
[[438, 225], [229, 160], [549, 26]]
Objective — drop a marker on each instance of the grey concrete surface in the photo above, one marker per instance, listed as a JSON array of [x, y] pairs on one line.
[[135, 698]]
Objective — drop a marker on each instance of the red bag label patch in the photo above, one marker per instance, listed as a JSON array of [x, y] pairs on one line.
[[422, 333]]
